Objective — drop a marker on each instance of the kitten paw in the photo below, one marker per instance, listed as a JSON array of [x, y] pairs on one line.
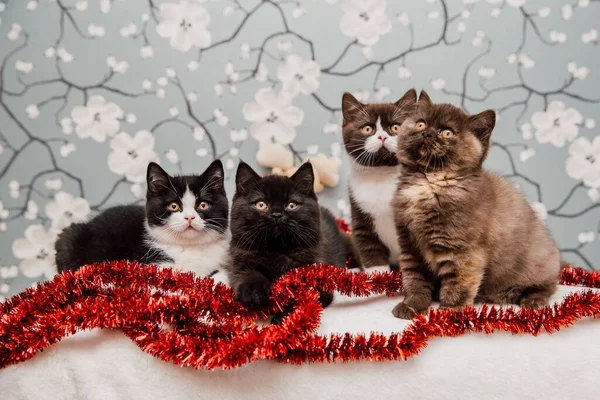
[[326, 298], [404, 311], [454, 297], [254, 294], [535, 301]]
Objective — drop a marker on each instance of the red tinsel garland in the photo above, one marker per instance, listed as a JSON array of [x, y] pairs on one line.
[[209, 329]]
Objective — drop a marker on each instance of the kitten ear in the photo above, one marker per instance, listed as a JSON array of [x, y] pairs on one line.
[[482, 125], [409, 98], [245, 177], [351, 107], [304, 178], [424, 99], [156, 178], [215, 175]]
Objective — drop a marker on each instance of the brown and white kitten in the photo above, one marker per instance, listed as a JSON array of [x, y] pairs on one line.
[[370, 138], [465, 234]]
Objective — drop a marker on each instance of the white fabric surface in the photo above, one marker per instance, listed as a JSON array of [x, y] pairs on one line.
[[107, 365]]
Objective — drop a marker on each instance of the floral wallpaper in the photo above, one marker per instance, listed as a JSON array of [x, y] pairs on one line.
[[91, 91]]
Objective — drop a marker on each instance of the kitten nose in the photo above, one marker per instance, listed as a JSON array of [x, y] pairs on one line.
[[427, 134], [382, 138], [189, 219], [276, 215]]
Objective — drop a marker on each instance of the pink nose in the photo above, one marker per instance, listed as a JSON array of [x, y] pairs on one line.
[[189, 219], [382, 138]]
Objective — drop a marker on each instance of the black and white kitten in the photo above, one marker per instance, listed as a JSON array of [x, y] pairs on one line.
[[184, 225], [370, 138], [276, 226]]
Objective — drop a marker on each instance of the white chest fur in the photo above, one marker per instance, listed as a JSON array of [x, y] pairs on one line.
[[200, 259], [373, 190]]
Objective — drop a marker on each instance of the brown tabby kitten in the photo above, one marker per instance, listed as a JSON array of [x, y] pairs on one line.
[[369, 132], [465, 234]]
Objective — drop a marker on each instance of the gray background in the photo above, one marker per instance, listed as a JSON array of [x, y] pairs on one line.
[[429, 47]]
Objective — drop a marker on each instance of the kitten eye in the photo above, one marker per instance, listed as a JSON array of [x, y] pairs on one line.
[[367, 129], [174, 207], [261, 205], [447, 133], [203, 205], [421, 125], [396, 128], [291, 206]]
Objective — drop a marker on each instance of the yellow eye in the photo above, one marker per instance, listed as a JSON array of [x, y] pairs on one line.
[[291, 206], [174, 207], [367, 129], [395, 128], [447, 133], [203, 205], [261, 205], [421, 125]]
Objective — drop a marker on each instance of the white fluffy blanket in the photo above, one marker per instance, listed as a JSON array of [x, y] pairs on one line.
[[106, 365]]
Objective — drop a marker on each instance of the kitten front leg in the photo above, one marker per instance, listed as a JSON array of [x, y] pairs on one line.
[[372, 251], [460, 278], [252, 288], [417, 281]]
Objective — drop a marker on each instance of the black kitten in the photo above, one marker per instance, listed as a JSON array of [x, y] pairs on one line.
[[184, 224], [277, 225]]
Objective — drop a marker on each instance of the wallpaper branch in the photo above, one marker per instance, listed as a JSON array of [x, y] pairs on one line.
[[91, 91]]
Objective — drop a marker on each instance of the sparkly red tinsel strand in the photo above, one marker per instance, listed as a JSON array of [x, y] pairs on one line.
[[209, 329]]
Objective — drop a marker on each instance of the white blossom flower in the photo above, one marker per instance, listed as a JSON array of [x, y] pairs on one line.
[[50, 52], [130, 156], [331, 128], [97, 119], [105, 6], [147, 84], [273, 116], [9, 272], [172, 156], [31, 211], [238, 135], [465, 14], [312, 149], [578, 72], [67, 209], [228, 11], [66, 149], [162, 81], [234, 152], [381, 93], [438, 84], [173, 111], [540, 210], [298, 75], [147, 52], [527, 131], [593, 194], [23, 66], [220, 118], [14, 189], [544, 12], [433, 14], [171, 73], [461, 27], [229, 164], [185, 24], [367, 52], [557, 37], [160, 93], [404, 19], [511, 58], [64, 55], [590, 123], [128, 30], [53, 184], [119, 67], [586, 237], [131, 118], [262, 73], [298, 11], [15, 32], [487, 73], [567, 12], [404, 72], [36, 252], [284, 46], [583, 3], [478, 39], [199, 133], [557, 124], [584, 161], [96, 30], [137, 191], [192, 65], [201, 152], [218, 90], [516, 3], [192, 97], [526, 61], [81, 5], [361, 95], [495, 13], [526, 154], [365, 20], [245, 51], [32, 111], [344, 207], [590, 36]]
